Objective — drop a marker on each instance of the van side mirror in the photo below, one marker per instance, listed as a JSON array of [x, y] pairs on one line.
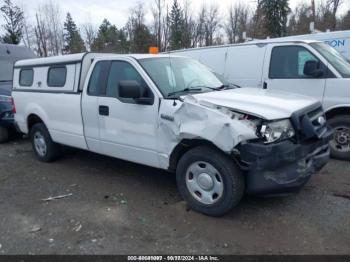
[[130, 89], [311, 68]]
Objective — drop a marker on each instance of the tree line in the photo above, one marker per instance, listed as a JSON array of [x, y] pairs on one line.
[[174, 26]]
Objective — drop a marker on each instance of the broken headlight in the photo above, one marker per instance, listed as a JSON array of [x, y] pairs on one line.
[[277, 131]]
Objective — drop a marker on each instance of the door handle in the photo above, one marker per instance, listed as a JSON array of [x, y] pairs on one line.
[[265, 85], [103, 110]]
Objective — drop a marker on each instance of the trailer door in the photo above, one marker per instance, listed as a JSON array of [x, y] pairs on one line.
[[284, 70]]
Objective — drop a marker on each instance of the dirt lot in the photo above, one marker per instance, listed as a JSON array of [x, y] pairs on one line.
[[118, 207]]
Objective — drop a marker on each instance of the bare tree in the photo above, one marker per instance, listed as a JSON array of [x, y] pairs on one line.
[[232, 24], [28, 32], [313, 8], [166, 30], [41, 36], [53, 19], [300, 20], [157, 12], [189, 34], [345, 21], [334, 6], [89, 34], [200, 27], [211, 24]]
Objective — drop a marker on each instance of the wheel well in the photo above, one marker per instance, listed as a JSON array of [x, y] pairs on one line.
[[184, 146], [338, 111], [32, 120]]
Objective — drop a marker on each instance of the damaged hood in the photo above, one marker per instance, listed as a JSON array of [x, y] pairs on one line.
[[266, 104]]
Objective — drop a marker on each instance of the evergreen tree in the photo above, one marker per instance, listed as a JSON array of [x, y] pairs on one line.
[[275, 16], [14, 19], [109, 39], [176, 26], [73, 40]]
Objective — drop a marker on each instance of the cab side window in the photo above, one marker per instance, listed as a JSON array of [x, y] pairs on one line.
[[98, 78], [121, 71], [288, 62]]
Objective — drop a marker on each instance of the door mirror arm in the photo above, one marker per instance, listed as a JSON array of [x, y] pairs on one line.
[[318, 73], [144, 100], [312, 69]]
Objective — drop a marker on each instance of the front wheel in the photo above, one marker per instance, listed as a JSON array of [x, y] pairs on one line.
[[340, 144], [209, 181], [44, 147]]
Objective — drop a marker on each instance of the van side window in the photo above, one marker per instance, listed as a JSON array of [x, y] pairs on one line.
[[287, 62], [121, 71], [56, 76], [98, 78], [26, 77]]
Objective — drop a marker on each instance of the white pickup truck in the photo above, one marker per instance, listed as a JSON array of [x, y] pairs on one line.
[[173, 113]]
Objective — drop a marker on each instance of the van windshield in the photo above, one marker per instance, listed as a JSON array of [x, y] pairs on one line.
[[176, 76], [337, 60]]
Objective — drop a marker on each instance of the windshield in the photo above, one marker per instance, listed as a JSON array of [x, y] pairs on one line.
[[334, 58], [179, 76], [6, 70]]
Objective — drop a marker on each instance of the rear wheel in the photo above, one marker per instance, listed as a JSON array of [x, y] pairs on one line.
[[45, 149], [340, 144], [209, 181], [4, 134]]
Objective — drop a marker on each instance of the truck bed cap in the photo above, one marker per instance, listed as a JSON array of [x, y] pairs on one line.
[[74, 58]]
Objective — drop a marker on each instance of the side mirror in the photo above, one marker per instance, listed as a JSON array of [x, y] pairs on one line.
[[311, 68], [130, 89]]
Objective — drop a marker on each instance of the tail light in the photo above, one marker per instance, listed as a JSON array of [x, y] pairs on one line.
[[13, 105], [5, 99]]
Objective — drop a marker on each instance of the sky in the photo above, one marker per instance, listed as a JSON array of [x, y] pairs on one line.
[[116, 11]]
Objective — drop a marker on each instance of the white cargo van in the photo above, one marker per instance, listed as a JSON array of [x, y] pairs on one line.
[[173, 113], [339, 40], [304, 67]]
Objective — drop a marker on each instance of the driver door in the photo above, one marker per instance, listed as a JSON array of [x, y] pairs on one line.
[[284, 71], [127, 129]]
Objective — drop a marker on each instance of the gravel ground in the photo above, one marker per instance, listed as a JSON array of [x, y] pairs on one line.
[[117, 207]]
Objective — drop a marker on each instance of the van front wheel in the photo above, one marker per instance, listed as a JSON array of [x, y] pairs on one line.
[[209, 181], [340, 144], [44, 147]]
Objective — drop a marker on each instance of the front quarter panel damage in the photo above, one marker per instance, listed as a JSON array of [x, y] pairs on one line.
[[191, 119]]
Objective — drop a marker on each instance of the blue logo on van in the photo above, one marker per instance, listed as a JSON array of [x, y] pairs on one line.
[[336, 42]]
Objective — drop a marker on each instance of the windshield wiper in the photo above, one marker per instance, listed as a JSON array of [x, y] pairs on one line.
[[188, 89], [219, 88]]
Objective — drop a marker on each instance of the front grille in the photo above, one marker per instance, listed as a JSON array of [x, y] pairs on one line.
[[307, 123]]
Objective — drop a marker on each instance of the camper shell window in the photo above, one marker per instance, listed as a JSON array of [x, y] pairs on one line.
[[56, 76], [26, 77]]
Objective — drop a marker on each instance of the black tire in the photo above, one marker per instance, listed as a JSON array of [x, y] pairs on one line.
[[53, 150], [340, 123], [4, 134], [233, 180]]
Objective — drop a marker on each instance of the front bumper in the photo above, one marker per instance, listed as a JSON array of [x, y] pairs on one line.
[[283, 167]]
